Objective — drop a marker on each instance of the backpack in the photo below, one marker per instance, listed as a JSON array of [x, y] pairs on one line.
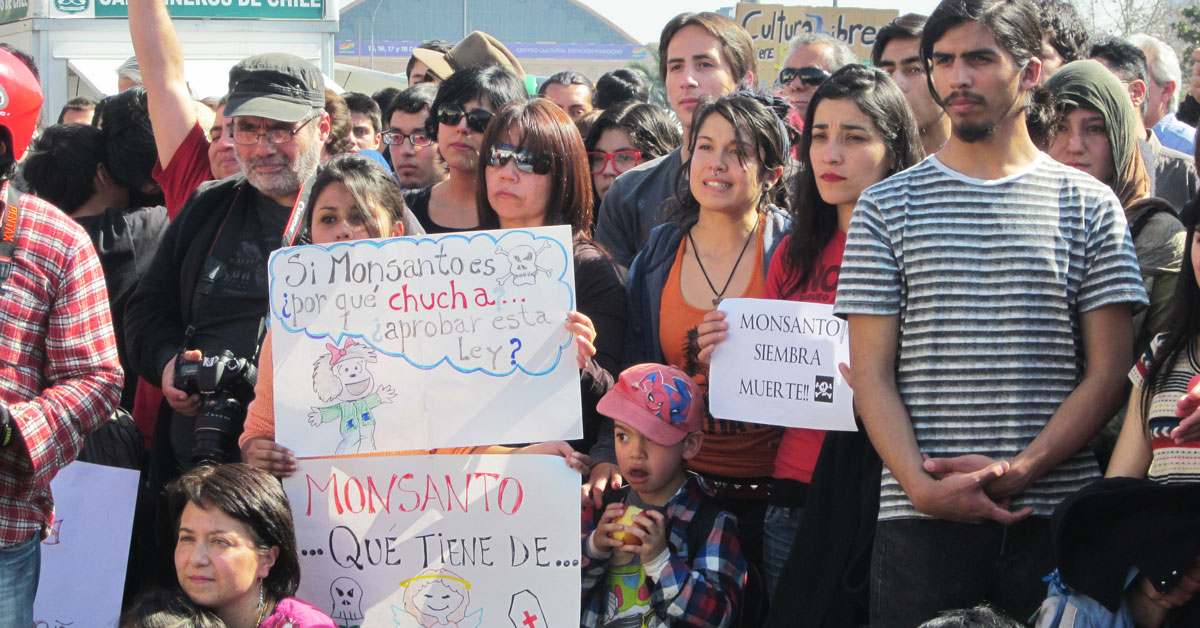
[[753, 607]]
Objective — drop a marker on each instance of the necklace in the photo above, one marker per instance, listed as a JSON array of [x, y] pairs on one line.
[[717, 296]]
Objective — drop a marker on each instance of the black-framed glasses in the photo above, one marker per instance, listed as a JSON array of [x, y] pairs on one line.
[[810, 75], [249, 137], [416, 138], [622, 160], [526, 161], [450, 114]]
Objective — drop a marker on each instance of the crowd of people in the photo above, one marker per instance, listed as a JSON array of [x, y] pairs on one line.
[[1000, 206]]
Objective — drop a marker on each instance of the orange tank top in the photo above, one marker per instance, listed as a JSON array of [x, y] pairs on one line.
[[731, 449]]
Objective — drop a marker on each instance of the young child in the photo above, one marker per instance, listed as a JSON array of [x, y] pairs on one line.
[[678, 562]]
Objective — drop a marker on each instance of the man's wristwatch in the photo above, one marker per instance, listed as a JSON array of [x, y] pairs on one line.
[[8, 431]]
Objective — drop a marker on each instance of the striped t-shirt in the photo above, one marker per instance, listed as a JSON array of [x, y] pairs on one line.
[[989, 279], [1170, 462]]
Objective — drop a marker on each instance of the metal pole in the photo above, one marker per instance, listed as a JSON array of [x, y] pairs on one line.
[[378, 4], [464, 29]]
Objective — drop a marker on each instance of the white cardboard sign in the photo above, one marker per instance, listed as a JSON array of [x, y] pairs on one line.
[[778, 366], [421, 541], [416, 343], [84, 558]]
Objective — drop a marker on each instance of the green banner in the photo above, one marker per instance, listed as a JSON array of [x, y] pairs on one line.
[[13, 10], [226, 9]]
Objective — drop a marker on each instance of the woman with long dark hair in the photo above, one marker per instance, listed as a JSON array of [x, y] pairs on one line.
[[858, 130], [627, 135]]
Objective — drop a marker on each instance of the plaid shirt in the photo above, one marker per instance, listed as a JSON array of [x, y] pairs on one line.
[[704, 590], [59, 373]]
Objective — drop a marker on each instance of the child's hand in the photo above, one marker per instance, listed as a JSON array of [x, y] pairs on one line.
[[578, 461], [314, 417], [651, 528], [270, 456], [386, 393], [602, 535], [603, 476]]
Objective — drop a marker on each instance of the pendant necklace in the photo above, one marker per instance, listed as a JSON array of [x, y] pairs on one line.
[[721, 295]]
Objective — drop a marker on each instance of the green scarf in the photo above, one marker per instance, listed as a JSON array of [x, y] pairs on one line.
[[1089, 85]]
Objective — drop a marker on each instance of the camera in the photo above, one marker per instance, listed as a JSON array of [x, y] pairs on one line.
[[225, 384]]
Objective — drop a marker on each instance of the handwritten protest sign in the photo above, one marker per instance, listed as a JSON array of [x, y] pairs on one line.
[[420, 541], [416, 343], [773, 26], [83, 559], [779, 366]]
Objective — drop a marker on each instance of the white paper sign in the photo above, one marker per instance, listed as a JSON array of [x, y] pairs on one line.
[[779, 366], [83, 560], [420, 541], [417, 343]]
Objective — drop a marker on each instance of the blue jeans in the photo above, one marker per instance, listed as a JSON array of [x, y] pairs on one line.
[[19, 566], [779, 533], [922, 566]]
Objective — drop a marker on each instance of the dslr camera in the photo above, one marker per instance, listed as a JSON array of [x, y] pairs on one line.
[[225, 384]]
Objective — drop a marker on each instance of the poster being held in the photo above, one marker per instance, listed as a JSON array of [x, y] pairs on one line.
[[83, 560], [447, 541], [779, 366], [417, 343]]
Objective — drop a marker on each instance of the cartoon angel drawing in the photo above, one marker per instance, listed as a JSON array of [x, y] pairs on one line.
[[436, 598], [342, 375]]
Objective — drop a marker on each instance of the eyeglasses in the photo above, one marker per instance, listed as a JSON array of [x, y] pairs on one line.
[[416, 138], [622, 160], [248, 137], [450, 114], [810, 76], [525, 160]]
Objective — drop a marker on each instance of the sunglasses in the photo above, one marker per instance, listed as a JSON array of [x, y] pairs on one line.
[[450, 114], [622, 160], [810, 76], [526, 161]]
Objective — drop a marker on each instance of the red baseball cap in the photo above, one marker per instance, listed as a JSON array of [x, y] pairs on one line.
[[661, 402]]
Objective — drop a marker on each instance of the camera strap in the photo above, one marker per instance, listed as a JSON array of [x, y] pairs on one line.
[[8, 230]]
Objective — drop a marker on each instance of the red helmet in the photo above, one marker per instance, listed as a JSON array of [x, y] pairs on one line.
[[20, 102]]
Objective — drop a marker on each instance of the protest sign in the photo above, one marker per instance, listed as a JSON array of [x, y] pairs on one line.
[[83, 560], [772, 26], [778, 366], [421, 541], [417, 343]]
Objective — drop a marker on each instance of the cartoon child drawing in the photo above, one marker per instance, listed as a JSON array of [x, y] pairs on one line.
[[437, 598], [342, 375]]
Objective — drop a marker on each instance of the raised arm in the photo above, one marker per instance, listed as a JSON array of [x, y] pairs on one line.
[[160, 57]]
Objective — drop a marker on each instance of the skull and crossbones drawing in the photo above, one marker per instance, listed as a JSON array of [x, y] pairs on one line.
[[823, 390], [522, 264], [347, 601]]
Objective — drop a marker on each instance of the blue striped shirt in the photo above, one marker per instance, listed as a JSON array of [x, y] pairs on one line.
[[989, 279]]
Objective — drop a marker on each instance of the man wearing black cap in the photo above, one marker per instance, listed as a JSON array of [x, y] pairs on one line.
[[206, 292]]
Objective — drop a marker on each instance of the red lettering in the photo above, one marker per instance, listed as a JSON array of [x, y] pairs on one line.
[[362, 496], [453, 496], [431, 488], [10, 223], [321, 489], [500, 496], [484, 476], [373, 492], [417, 496]]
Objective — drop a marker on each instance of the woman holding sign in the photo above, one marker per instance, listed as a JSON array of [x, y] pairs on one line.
[[533, 171], [718, 243], [859, 131]]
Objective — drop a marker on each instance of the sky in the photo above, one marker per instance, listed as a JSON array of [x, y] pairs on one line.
[[644, 19]]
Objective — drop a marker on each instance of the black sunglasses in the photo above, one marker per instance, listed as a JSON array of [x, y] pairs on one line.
[[525, 160], [450, 114], [810, 76]]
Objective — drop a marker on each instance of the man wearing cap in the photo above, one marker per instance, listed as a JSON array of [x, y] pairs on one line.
[[206, 291], [59, 375]]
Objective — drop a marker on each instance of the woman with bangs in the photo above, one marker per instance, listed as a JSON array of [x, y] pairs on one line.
[[533, 172], [859, 130], [460, 113], [718, 243], [625, 136], [1097, 132]]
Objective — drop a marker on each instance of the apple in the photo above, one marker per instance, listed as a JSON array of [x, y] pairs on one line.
[[626, 519]]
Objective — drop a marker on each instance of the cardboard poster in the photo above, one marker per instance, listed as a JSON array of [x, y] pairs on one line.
[[772, 26], [84, 558], [779, 366], [446, 541], [417, 343]]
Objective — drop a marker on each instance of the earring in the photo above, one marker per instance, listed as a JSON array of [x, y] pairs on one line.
[[262, 603]]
